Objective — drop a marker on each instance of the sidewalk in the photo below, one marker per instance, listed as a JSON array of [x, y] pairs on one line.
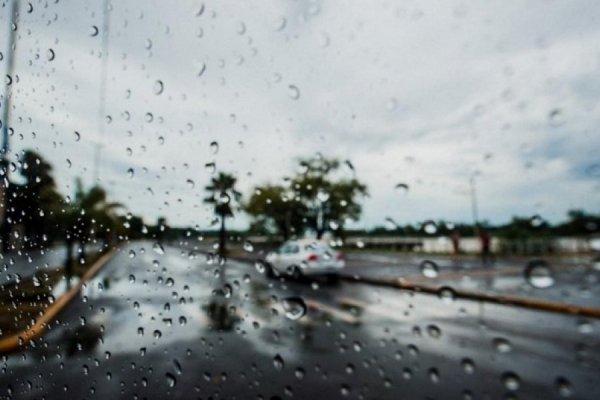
[[28, 305]]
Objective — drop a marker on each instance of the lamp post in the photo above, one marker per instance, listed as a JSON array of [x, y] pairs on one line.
[[10, 65]]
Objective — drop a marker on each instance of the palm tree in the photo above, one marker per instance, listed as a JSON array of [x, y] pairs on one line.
[[221, 194], [89, 215]]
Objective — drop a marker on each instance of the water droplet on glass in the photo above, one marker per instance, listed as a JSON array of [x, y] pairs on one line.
[[322, 195], [50, 55], [429, 269], [294, 308], [214, 147], [278, 362], [279, 24], [556, 117], [564, 387], [130, 172], [158, 88], [248, 246], [511, 381], [77, 136], [430, 227], [402, 188], [502, 345], [158, 248], [468, 365], [94, 31], [539, 274], [293, 92], [171, 381]]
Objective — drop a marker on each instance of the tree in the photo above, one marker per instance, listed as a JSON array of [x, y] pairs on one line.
[[276, 209], [331, 200], [318, 198], [34, 203], [221, 193], [89, 215]]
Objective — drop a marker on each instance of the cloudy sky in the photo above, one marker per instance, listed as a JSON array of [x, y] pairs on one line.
[[425, 93]]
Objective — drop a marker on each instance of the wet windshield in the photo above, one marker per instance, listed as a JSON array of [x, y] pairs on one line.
[[299, 199]]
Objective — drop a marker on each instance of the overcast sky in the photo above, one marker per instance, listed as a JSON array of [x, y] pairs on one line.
[[419, 92]]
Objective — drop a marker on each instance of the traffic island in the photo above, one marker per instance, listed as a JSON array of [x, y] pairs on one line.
[[31, 311]]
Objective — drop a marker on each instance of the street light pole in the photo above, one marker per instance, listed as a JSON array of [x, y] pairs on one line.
[[474, 207], [10, 65], [98, 147]]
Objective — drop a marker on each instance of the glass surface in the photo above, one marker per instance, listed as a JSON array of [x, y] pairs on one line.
[[434, 166]]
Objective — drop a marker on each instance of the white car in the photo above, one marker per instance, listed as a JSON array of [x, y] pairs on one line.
[[305, 257]]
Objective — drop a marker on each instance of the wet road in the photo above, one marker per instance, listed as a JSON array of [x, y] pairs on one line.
[[169, 326]]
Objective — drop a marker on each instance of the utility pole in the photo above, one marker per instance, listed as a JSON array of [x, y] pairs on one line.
[[105, 36], [10, 80], [474, 205]]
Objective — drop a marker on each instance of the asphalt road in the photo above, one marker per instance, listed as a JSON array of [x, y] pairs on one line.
[[172, 326]]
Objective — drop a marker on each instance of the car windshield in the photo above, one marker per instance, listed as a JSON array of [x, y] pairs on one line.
[[300, 199]]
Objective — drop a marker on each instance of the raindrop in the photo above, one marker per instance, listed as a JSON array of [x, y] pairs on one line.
[[434, 375], [502, 345], [539, 274], [158, 87], [278, 362], [248, 246], [434, 331], [429, 269], [157, 334], [402, 188], [294, 308], [131, 278], [260, 267], [36, 281], [130, 172], [300, 373], [50, 55], [190, 183], [430, 227], [77, 136], [468, 365], [131, 254], [536, 221], [158, 248], [211, 167], [201, 68], [556, 117], [345, 390], [511, 381], [293, 92], [279, 24], [94, 31], [564, 387], [322, 195], [447, 294], [214, 147], [171, 381]]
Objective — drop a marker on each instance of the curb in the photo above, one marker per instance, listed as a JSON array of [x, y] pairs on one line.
[[514, 301], [21, 339], [522, 302]]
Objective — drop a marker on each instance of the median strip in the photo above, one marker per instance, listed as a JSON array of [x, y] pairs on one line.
[[20, 339], [515, 301]]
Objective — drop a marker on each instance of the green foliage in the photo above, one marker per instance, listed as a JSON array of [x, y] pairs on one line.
[[221, 194], [317, 198]]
